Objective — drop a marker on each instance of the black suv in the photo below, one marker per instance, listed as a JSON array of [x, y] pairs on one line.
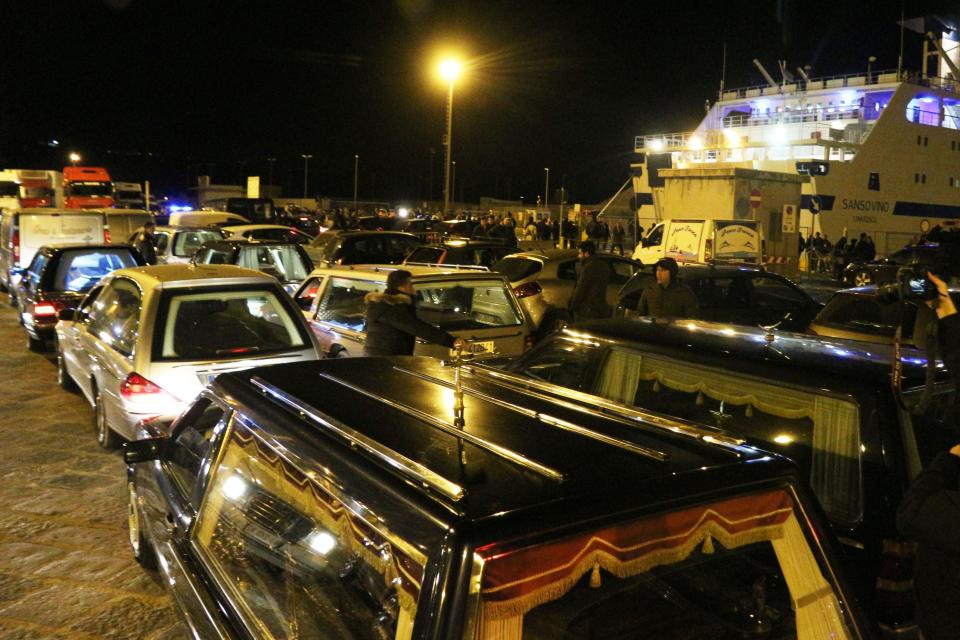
[[738, 295], [407, 498], [362, 247], [826, 404], [859, 274], [462, 252]]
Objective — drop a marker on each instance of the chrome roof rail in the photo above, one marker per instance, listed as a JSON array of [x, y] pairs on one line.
[[446, 427], [413, 470], [629, 415], [552, 421]]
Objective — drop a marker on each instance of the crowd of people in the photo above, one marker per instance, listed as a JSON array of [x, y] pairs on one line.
[[824, 256]]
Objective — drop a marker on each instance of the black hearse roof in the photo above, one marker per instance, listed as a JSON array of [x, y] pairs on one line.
[[794, 355], [525, 455]]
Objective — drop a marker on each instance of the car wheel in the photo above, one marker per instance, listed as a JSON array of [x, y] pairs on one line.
[[34, 344], [143, 551], [552, 323], [106, 437], [862, 278], [63, 376]]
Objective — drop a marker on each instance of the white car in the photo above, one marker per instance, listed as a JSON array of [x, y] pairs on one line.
[[146, 340], [267, 232], [178, 244]]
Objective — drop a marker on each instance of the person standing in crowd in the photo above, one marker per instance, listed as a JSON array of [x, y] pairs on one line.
[[668, 297], [543, 229], [530, 230], [504, 232], [604, 236], [392, 324], [930, 510], [146, 242], [589, 299], [837, 257], [617, 235]]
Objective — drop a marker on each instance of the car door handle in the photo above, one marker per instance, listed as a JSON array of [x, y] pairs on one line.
[[170, 523]]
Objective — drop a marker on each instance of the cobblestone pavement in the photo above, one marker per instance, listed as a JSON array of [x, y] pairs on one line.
[[66, 570]]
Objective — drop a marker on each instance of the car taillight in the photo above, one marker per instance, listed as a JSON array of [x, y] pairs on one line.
[[46, 309], [15, 241], [894, 586], [527, 289], [136, 386], [708, 250]]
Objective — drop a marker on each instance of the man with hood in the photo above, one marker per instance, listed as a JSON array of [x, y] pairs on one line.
[[392, 324], [668, 297]]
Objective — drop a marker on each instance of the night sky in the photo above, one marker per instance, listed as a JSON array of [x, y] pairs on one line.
[[164, 90]]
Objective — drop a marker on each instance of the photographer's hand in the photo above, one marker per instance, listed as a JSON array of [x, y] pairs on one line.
[[955, 450], [943, 303]]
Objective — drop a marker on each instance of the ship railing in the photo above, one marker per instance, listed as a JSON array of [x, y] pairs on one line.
[[757, 132], [879, 77]]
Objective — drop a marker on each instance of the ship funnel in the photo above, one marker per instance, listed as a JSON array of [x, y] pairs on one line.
[[766, 75]]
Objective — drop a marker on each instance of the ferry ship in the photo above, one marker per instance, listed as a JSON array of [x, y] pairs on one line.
[[878, 152]]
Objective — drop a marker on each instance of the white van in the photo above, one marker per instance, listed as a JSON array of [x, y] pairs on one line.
[[23, 232], [123, 222], [698, 240], [204, 218]]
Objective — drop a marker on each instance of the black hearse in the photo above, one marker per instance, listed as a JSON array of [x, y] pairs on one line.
[[408, 498], [826, 404]]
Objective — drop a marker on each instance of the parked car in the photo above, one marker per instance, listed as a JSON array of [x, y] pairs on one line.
[[59, 277], [738, 295], [145, 341], [544, 282], [858, 314], [826, 404], [277, 232], [205, 218], [859, 274], [339, 499], [362, 247], [470, 304], [285, 261], [476, 253], [178, 244]]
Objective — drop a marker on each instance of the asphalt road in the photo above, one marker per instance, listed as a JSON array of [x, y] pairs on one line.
[[66, 570]]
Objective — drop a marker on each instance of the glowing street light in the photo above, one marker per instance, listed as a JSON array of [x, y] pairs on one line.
[[306, 167], [74, 158], [449, 70]]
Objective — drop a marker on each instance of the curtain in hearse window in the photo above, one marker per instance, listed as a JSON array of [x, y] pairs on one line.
[[295, 559], [820, 433]]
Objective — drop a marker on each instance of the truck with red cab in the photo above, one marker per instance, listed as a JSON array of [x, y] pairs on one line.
[[87, 188]]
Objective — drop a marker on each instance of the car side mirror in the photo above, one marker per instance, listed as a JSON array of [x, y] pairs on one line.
[[68, 315], [136, 451]]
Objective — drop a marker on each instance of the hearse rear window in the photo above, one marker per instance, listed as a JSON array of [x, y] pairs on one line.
[[819, 432], [733, 568], [469, 304], [224, 323], [296, 560]]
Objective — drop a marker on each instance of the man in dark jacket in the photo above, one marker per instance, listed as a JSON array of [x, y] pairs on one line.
[[930, 511], [667, 296], [392, 324], [146, 244], [589, 299]]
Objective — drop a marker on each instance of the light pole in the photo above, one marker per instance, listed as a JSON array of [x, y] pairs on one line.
[[449, 70], [270, 162], [453, 181], [870, 62], [546, 191], [306, 160], [74, 158], [356, 167]]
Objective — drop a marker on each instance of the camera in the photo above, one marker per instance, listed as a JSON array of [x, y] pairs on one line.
[[911, 285]]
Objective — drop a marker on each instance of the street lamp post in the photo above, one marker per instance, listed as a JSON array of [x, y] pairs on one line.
[[449, 70], [306, 160], [453, 181], [870, 62], [356, 167], [270, 162], [546, 192]]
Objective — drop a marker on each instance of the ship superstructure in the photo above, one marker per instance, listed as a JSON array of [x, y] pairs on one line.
[[881, 150]]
